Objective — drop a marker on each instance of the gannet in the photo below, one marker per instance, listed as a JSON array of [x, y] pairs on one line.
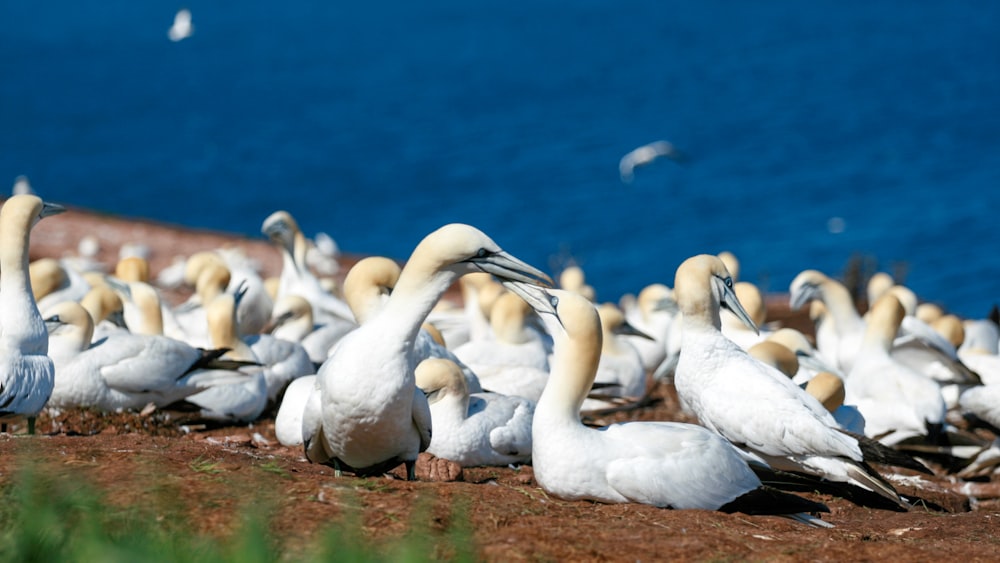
[[645, 155], [296, 278], [665, 464], [182, 27], [291, 411], [26, 372], [373, 415], [620, 369], [473, 429], [842, 328], [515, 361], [654, 320], [292, 320], [367, 287], [123, 370], [755, 406], [896, 401], [240, 402]]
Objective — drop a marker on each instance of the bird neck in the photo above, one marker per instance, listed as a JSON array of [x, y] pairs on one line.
[[573, 369]]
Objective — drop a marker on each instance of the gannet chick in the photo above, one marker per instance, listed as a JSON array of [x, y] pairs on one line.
[[27, 373], [644, 155], [665, 464], [473, 429], [373, 415], [753, 405]]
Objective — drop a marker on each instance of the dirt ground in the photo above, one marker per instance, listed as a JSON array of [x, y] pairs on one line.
[[138, 457]]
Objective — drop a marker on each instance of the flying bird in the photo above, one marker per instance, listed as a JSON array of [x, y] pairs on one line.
[[645, 155], [182, 27]]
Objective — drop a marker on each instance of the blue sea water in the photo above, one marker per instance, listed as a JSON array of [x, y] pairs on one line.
[[377, 122]]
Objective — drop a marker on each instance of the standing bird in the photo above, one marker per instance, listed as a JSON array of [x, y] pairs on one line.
[[373, 416], [26, 371], [755, 406], [665, 464]]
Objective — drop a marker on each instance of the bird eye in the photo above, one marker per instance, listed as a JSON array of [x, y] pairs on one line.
[[729, 282], [482, 253], [554, 301]]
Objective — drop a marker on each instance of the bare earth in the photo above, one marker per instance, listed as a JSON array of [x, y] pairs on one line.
[[213, 472]]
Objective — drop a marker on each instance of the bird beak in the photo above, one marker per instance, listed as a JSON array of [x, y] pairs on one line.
[[668, 304], [509, 268], [49, 209], [802, 295], [279, 232], [729, 301], [275, 322], [119, 286], [533, 295], [626, 329]]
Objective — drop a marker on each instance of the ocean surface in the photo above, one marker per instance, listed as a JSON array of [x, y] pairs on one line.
[[815, 131]]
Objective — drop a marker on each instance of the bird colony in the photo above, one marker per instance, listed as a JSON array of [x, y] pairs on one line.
[[366, 374]]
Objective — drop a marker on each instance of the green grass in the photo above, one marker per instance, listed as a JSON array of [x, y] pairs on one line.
[[45, 517]]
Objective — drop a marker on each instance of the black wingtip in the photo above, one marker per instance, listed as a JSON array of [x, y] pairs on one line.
[[766, 500], [877, 452]]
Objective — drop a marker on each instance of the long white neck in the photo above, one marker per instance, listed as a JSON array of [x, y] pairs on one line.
[[21, 321], [573, 369]]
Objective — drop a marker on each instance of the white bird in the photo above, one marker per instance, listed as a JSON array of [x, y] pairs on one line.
[[373, 415], [620, 370], [292, 320], [26, 372], [52, 283], [665, 464], [839, 335], [367, 287], [244, 401], [291, 412], [645, 155], [473, 429], [654, 320], [754, 405], [896, 401], [296, 278], [182, 27], [123, 370], [515, 361]]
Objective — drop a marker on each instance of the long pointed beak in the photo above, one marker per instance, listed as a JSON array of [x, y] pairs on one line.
[[729, 301], [626, 329], [119, 286], [279, 231], [274, 322], [668, 304], [49, 209], [533, 295], [801, 296], [509, 268]]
